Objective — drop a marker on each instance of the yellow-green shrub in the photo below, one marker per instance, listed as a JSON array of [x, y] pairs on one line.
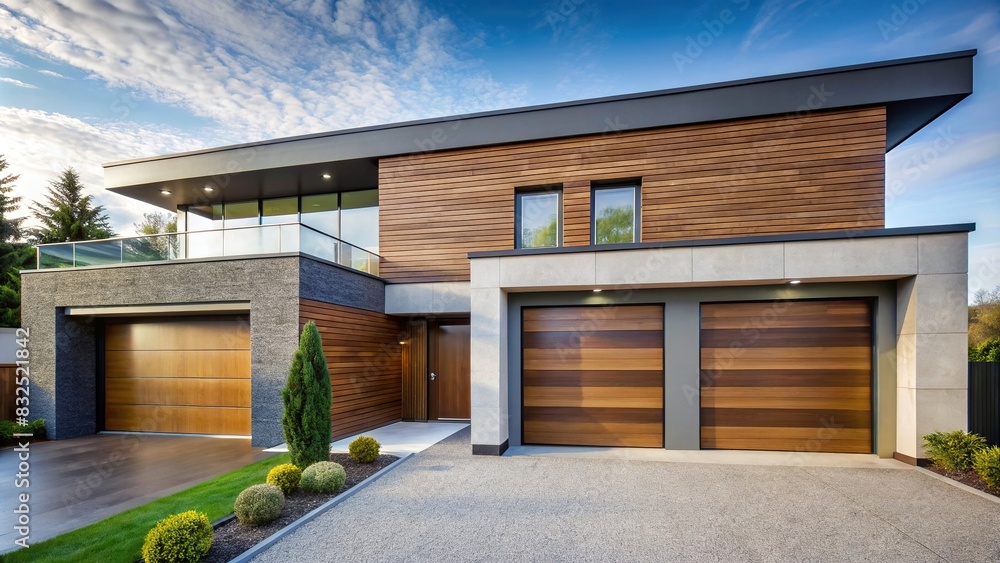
[[180, 538], [259, 504], [364, 449], [953, 450], [285, 476], [323, 477], [987, 465]]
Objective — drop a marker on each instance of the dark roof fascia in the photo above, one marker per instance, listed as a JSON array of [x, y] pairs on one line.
[[760, 239], [940, 80]]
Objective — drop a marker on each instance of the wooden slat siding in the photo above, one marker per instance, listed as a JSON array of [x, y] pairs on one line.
[[365, 360], [7, 393], [772, 175], [792, 376], [415, 370], [593, 376], [576, 213], [178, 374]]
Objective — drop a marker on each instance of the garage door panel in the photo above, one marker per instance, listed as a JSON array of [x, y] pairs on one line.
[[178, 374], [177, 391], [178, 363], [179, 334], [604, 438], [178, 419], [637, 397], [625, 359], [595, 378], [781, 378], [794, 376], [810, 337], [606, 339]]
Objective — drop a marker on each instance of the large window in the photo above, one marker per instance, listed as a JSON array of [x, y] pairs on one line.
[[280, 210], [322, 212], [538, 219], [359, 219], [616, 214]]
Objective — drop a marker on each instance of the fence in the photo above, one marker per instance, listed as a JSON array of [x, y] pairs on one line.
[[984, 400], [7, 391]]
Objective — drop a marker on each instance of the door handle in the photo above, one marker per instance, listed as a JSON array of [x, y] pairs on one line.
[[433, 376]]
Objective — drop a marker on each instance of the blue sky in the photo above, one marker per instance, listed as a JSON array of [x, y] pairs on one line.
[[91, 81]]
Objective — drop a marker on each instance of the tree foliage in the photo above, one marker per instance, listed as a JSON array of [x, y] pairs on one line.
[[984, 316], [14, 257], [541, 236], [307, 397], [156, 223], [616, 225], [68, 214], [10, 227]]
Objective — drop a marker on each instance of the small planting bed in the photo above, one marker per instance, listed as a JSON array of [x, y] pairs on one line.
[[232, 538], [970, 478]]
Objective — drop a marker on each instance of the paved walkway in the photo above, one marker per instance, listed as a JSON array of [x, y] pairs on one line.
[[445, 505], [80, 481], [398, 438]]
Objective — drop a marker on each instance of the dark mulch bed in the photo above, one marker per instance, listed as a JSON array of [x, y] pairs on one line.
[[232, 539], [970, 478]]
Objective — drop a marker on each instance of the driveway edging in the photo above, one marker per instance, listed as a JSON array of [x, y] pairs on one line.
[[960, 485], [280, 534]]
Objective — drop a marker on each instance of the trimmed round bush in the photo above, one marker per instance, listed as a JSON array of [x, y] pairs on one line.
[[364, 449], [259, 504], [323, 477], [953, 451], [182, 537], [987, 465], [285, 476]]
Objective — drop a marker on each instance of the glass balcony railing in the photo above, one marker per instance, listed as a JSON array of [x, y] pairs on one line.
[[240, 241]]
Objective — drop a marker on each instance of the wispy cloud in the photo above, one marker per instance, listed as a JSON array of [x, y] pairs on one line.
[[46, 143], [264, 69], [6, 61], [771, 14], [16, 82], [53, 74]]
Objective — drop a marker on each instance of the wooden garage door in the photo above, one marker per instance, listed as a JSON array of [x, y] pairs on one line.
[[791, 376], [183, 375], [593, 376]]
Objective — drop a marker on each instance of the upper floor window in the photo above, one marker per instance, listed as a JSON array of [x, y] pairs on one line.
[[616, 214], [538, 219]]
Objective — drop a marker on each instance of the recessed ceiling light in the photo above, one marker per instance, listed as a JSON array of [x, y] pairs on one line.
[[327, 176], [209, 189], [793, 282], [597, 291], [165, 192]]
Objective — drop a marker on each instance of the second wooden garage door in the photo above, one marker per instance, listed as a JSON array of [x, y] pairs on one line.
[[593, 376], [792, 376], [178, 375]]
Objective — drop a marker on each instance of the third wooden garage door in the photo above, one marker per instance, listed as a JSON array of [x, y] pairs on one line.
[[593, 376], [791, 376]]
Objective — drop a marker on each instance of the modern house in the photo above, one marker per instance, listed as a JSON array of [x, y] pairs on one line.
[[695, 268]]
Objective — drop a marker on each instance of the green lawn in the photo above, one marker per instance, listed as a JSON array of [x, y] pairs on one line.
[[119, 538]]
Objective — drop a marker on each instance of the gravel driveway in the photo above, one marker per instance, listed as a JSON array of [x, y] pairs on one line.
[[446, 505]]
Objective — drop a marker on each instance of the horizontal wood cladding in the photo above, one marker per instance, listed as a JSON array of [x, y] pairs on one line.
[[596, 386], [178, 374], [363, 354], [793, 376], [787, 174]]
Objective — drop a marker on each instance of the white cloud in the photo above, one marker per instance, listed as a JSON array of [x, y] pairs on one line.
[[771, 14], [17, 82], [47, 143], [6, 61], [267, 69], [53, 74]]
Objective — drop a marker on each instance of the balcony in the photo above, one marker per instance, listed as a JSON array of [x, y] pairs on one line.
[[239, 241]]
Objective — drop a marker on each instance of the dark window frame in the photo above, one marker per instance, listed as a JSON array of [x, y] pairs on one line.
[[636, 186], [519, 193]]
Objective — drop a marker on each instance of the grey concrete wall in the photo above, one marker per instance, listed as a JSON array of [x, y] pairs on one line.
[[63, 349], [682, 314]]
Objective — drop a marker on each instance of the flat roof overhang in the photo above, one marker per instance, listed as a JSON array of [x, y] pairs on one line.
[[915, 91]]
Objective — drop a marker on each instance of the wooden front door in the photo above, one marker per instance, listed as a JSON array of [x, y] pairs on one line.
[[450, 388]]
